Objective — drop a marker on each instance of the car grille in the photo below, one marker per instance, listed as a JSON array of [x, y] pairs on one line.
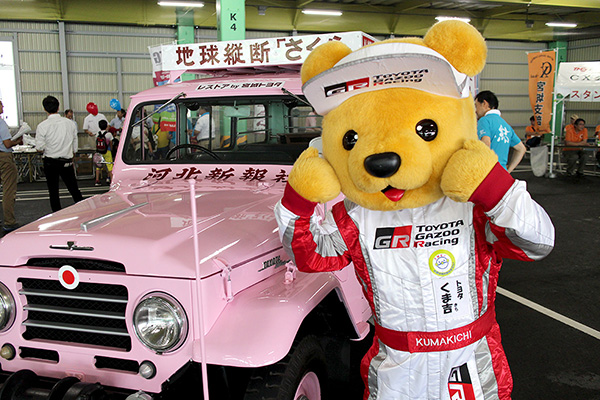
[[89, 314], [77, 263]]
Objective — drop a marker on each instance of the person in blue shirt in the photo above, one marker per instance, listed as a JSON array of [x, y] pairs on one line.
[[496, 132]]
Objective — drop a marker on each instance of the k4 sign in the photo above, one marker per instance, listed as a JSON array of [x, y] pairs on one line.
[[231, 19]]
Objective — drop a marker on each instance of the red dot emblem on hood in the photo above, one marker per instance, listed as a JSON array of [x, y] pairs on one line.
[[68, 277]]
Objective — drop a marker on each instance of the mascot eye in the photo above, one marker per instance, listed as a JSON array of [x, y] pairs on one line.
[[427, 129], [350, 139]]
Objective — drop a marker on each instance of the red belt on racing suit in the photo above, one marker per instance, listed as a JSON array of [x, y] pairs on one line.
[[452, 339]]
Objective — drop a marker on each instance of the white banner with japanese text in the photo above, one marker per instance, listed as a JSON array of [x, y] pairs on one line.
[[264, 52], [579, 80]]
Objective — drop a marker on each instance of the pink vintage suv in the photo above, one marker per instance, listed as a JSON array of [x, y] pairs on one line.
[[175, 281]]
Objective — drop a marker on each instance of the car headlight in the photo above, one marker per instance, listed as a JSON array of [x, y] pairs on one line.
[[7, 308], [160, 322]]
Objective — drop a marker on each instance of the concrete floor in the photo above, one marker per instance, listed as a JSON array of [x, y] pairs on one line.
[[33, 202], [551, 357]]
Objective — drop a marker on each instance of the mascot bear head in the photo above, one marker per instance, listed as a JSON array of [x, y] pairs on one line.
[[394, 112]]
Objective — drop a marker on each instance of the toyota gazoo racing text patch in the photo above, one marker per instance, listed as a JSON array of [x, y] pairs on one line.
[[432, 235]]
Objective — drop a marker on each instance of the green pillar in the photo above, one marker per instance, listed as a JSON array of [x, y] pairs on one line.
[[185, 31], [231, 25], [561, 55], [231, 20]]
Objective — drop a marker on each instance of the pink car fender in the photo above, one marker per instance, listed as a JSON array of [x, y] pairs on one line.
[[269, 314]]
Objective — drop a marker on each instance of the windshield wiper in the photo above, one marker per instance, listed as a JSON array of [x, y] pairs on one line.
[[284, 90], [159, 109]]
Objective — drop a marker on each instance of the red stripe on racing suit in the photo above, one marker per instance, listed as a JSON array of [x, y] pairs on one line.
[[304, 243], [422, 342], [407, 286]]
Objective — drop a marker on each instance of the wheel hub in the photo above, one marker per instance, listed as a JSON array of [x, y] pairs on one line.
[[309, 388]]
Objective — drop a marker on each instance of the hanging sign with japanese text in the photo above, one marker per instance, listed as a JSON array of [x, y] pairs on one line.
[[541, 86], [579, 80], [159, 75], [279, 51]]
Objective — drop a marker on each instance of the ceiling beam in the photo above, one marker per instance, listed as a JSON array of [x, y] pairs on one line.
[[302, 3], [409, 5], [298, 12], [501, 19], [59, 8], [503, 10], [402, 8], [593, 4], [395, 23], [592, 16], [297, 15]]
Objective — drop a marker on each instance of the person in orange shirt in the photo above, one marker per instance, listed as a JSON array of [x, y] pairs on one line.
[[571, 127], [577, 137], [532, 137]]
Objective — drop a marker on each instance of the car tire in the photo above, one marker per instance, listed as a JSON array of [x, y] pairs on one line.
[[301, 375]]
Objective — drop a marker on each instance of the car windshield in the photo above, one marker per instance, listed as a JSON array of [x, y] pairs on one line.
[[270, 130]]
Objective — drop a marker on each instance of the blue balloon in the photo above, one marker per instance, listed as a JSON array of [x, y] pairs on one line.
[[115, 105]]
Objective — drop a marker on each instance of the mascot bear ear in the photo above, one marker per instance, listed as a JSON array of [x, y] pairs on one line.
[[323, 58], [461, 44]]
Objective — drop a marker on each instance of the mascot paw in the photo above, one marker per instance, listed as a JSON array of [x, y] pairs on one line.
[[466, 169], [313, 178]]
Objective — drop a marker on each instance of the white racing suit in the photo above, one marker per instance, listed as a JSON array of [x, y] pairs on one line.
[[430, 276]]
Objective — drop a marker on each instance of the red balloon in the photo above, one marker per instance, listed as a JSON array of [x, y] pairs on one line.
[[92, 108]]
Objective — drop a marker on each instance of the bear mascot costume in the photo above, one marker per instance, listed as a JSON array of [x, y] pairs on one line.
[[428, 212]]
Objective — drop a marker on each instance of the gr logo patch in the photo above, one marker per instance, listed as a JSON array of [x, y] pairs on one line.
[[393, 238], [344, 87]]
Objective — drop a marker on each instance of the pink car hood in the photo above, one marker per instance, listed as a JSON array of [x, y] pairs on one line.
[[149, 230]]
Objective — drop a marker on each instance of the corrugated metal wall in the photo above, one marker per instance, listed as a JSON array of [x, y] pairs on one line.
[[106, 62], [506, 74], [103, 62], [584, 50], [39, 62], [109, 61]]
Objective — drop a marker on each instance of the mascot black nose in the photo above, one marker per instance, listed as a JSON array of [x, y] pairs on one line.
[[382, 165]]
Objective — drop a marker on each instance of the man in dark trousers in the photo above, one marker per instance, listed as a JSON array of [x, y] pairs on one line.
[[8, 175], [56, 137]]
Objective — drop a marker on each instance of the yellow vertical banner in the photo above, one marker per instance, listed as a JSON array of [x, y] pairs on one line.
[[541, 85]]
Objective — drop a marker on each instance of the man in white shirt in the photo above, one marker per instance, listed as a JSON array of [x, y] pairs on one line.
[[56, 137], [90, 123], [202, 128], [116, 124]]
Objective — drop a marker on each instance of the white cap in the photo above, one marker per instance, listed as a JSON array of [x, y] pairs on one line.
[[384, 66]]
